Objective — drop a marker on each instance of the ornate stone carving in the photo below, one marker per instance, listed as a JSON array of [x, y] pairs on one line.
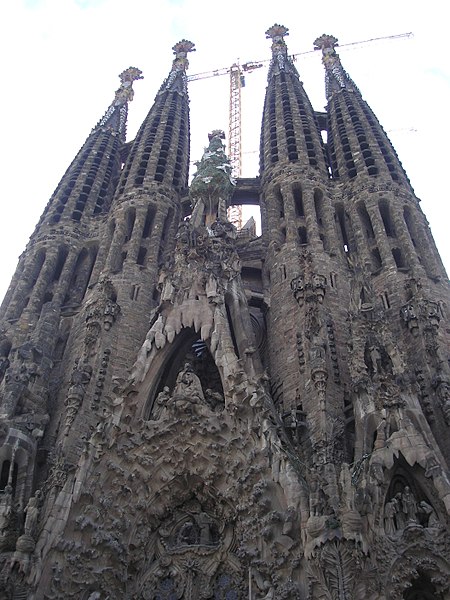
[[79, 380]]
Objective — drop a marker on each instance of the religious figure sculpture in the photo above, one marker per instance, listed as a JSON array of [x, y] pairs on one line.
[[32, 513], [188, 389]]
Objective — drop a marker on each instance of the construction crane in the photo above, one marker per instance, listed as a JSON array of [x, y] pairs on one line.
[[237, 81]]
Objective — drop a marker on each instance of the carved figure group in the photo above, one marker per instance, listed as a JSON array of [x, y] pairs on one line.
[[403, 510]]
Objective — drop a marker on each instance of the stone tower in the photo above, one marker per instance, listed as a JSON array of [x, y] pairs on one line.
[[190, 411]]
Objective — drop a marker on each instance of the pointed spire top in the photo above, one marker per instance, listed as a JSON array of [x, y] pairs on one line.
[[125, 93], [280, 57], [334, 71], [181, 50], [277, 33], [179, 67], [115, 117], [325, 41]]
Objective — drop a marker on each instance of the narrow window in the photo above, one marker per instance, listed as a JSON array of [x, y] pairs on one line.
[[365, 221], [302, 236], [62, 255], [148, 222], [141, 256], [385, 300], [386, 217], [376, 260], [298, 200], [280, 202], [130, 219], [398, 257], [134, 292]]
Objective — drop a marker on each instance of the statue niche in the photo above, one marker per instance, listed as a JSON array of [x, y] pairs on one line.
[[407, 505], [190, 381]]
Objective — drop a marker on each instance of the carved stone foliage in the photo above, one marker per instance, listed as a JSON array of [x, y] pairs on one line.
[[334, 572], [79, 380], [102, 311]]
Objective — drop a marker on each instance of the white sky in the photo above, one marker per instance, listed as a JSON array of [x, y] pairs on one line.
[[61, 59]]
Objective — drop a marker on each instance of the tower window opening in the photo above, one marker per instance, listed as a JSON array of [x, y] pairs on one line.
[[62, 255], [134, 293], [280, 201], [148, 222], [366, 221], [302, 236], [298, 200], [341, 218], [376, 260], [141, 256], [129, 223], [386, 217], [398, 257], [385, 300], [409, 224]]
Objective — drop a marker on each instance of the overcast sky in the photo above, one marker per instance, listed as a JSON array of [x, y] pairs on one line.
[[61, 59]]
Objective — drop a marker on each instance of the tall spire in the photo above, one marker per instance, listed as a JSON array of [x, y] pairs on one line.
[[357, 143], [115, 117], [86, 187], [280, 59], [177, 81], [289, 130], [335, 75], [160, 151]]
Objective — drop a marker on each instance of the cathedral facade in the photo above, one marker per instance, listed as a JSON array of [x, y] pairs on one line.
[[191, 411]]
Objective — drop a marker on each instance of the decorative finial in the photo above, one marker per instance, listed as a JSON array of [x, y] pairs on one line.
[[325, 42], [125, 93], [277, 32], [115, 117], [181, 50], [332, 63], [179, 66]]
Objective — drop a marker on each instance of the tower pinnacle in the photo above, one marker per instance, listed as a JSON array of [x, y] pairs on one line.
[[125, 93], [180, 65], [116, 116], [280, 57], [332, 63]]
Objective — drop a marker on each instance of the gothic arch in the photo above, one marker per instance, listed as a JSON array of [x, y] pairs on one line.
[[169, 361], [422, 507]]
